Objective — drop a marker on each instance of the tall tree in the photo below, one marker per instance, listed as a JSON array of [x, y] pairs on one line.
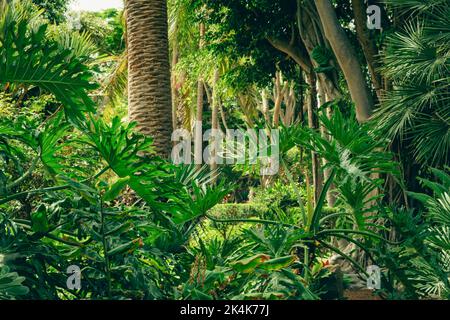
[[368, 44], [149, 90], [198, 143], [347, 59], [313, 124], [215, 120]]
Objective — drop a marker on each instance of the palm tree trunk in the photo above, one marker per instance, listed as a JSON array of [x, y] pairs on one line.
[[149, 92]]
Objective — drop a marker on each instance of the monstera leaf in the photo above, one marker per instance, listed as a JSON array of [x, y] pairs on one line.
[[28, 58], [129, 154], [196, 203], [49, 144]]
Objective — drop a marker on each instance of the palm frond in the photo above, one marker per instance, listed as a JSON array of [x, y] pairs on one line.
[[417, 61], [114, 86], [80, 44]]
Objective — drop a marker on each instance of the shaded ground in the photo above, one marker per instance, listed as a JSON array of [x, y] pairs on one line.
[[360, 294]]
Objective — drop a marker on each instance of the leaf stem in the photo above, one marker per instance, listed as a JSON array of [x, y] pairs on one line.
[[252, 221]]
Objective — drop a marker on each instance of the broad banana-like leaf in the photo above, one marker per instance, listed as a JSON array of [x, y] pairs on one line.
[[249, 265], [278, 263]]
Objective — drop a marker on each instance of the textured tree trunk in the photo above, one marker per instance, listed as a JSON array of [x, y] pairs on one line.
[[149, 92], [347, 60]]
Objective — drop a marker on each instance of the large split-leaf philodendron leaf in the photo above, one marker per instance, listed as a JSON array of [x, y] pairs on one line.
[[29, 58]]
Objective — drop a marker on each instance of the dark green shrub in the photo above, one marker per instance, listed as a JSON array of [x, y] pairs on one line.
[[279, 195], [239, 210]]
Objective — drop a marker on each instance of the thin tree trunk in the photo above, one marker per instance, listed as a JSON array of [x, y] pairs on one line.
[[290, 102], [312, 123], [184, 116], [198, 140], [347, 60], [223, 116], [331, 198], [149, 92], [215, 120], [175, 98], [247, 109], [279, 91], [265, 105], [368, 45]]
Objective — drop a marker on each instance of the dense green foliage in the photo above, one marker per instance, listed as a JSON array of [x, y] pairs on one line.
[[417, 63], [55, 10], [80, 186]]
